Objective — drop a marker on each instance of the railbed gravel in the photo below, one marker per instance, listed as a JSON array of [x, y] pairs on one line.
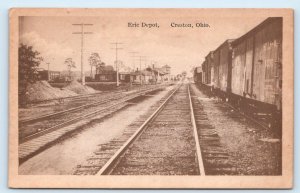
[[243, 139]]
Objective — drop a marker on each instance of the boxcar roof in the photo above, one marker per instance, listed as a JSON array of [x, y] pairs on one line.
[[210, 53], [228, 41], [255, 29]]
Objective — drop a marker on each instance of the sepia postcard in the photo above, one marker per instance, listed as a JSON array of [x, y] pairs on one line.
[[151, 98]]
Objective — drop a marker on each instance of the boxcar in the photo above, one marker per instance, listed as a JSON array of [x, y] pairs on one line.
[[222, 69], [204, 72], [198, 75], [256, 65], [208, 70]]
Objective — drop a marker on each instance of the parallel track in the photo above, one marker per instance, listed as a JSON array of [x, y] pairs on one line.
[[35, 127], [117, 95], [39, 141]]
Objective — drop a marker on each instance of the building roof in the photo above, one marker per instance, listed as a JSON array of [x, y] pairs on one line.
[[40, 69], [136, 73], [124, 72], [160, 71], [166, 66], [108, 68], [43, 70], [146, 73]]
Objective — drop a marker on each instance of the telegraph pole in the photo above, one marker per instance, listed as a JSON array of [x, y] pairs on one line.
[[82, 33], [153, 67], [133, 56], [48, 63], [141, 58], [145, 62], [117, 68]]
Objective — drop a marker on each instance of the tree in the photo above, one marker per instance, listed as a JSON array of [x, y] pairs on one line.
[[29, 60], [94, 60], [100, 67], [70, 64]]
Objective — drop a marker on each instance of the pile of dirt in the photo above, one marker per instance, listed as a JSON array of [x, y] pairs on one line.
[[76, 87], [42, 90]]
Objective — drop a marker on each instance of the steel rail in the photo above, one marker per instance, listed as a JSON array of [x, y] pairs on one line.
[[58, 126], [74, 109], [198, 148], [109, 166]]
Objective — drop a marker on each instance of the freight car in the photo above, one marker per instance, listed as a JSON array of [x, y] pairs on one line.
[[257, 69], [207, 74], [198, 75], [222, 69], [248, 71]]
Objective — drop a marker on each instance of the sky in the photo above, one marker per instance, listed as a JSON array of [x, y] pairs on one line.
[[179, 47]]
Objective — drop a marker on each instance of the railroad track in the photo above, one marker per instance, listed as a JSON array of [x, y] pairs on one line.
[[165, 143], [34, 127], [37, 142], [96, 98], [50, 115]]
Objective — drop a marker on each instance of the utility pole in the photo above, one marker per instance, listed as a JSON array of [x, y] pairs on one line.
[[117, 68], [133, 56], [48, 63], [153, 64], [141, 58], [140, 63], [153, 67], [82, 33], [145, 62]]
